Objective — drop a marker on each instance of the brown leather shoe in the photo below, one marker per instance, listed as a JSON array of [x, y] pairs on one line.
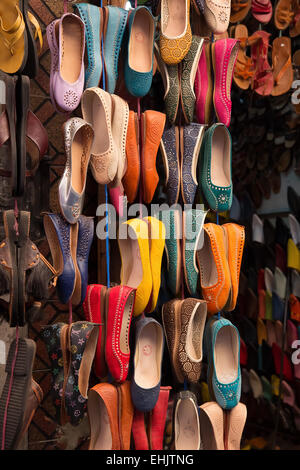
[[153, 124], [103, 417], [126, 411], [131, 178]]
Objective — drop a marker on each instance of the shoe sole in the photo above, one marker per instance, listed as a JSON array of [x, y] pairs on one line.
[[21, 384], [22, 108], [32, 64]]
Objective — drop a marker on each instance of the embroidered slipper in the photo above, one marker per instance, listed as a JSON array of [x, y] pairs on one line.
[[169, 147], [282, 66], [131, 177]]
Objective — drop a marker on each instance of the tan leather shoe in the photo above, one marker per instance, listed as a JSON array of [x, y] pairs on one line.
[[131, 178], [212, 426], [217, 15], [153, 124], [103, 417], [96, 105], [120, 117], [126, 412]]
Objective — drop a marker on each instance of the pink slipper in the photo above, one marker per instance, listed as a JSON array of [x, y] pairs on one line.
[[262, 10]]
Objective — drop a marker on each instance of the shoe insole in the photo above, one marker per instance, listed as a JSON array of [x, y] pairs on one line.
[[195, 334], [96, 116], [80, 149], [131, 262], [220, 159], [226, 355], [188, 429], [101, 438], [148, 359], [141, 43], [176, 18], [209, 270], [70, 66]]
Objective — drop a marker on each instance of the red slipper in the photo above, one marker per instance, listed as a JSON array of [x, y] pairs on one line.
[[119, 308], [287, 367], [158, 419], [243, 353], [94, 311], [262, 80], [138, 430]]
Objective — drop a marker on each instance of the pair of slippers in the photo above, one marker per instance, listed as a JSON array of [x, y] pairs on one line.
[[21, 130]]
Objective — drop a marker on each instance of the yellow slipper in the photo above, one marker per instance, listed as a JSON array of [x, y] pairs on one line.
[[157, 235], [13, 37], [261, 331], [293, 255], [135, 259]]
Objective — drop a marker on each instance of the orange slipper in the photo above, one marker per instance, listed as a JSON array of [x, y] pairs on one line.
[[215, 278], [239, 10], [282, 66], [153, 124], [234, 242], [132, 175], [284, 14]]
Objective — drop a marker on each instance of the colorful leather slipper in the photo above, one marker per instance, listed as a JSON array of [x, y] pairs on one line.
[[204, 85], [131, 177], [282, 66], [175, 36], [213, 265], [146, 378], [66, 40], [217, 15], [153, 124], [262, 10], [170, 78], [138, 69], [212, 426], [119, 309], [21, 355], [190, 139], [78, 140], [97, 109], [224, 56], [59, 234], [94, 310], [158, 418], [239, 10], [193, 221], [115, 20], [172, 220], [82, 340], [222, 346], [84, 243], [119, 122], [126, 413], [186, 417], [51, 335], [157, 235], [139, 432], [188, 73], [13, 37], [235, 240], [169, 147], [234, 426], [133, 242], [215, 175], [171, 318], [103, 416], [92, 16]]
